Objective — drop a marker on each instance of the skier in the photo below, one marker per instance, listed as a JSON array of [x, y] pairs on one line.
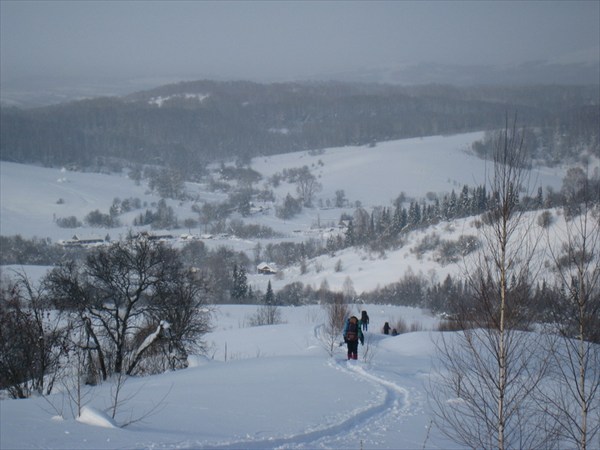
[[353, 334]]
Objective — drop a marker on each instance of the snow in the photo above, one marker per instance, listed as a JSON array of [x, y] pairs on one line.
[[377, 175], [93, 417], [272, 386], [32, 198], [159, 101], [276, 387]]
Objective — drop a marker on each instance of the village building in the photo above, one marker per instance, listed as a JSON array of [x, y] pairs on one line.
[[76, 241], [266, 269]]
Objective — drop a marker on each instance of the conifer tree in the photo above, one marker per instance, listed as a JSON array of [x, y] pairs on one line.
[[269, 296], [464, 203], [540, 198], [239, 290], [397, 221], [414, 213], [452, 205], [436, 210], [350, 240]]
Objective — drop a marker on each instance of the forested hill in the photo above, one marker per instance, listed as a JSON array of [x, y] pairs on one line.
[[187, 124]]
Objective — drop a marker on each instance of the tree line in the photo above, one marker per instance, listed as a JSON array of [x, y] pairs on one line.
[[242, 120]]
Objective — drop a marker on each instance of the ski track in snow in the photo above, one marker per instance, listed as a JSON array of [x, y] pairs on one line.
[[350, 432], [362, 429]]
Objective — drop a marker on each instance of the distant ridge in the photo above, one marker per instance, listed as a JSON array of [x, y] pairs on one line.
[[576, 70], [187, 124]]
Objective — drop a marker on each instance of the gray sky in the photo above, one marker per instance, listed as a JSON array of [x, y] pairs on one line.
[[272, 40]]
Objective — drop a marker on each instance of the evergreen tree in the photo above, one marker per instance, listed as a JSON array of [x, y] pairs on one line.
[[400, 219], [452, 206], [414, 214], [361, 224], [429, 214], [386, 220], [349, 235], [436, 214], [331, 245], [424, 216], [372, 229], [540, 198], [165, 216], [239, 289], [268, 313], [482, 199], [269, 296], [474, 205], [290, 208], [463, 202], [251, 295], [397, 221]]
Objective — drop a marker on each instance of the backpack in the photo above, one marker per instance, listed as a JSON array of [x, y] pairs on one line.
[[352, 330]]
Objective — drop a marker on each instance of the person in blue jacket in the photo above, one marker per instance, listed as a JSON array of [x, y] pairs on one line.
[[352, 335]]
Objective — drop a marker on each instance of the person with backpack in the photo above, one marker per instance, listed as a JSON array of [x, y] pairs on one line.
[[364, 320], [352, 335], [386, 328]]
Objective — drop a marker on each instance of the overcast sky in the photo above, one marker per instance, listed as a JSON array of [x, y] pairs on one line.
[[272, 40]]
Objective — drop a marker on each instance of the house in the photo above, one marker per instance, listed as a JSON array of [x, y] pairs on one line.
[[266, 269], [344, 224], [153, 237], [76, 241]]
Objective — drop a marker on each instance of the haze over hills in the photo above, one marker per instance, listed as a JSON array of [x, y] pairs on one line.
[[533, 72], [35, 91]]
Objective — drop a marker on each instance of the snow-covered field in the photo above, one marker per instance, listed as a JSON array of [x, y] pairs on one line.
[[272, 386], [260, 387], [32, 198]]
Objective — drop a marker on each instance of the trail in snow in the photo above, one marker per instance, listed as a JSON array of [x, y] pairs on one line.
[[364, 428], [360, 428]]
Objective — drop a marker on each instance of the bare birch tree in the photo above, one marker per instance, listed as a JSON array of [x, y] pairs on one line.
[[336, 312], [575, 250], [489, 371]]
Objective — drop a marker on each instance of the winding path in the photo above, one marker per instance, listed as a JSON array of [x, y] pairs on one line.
[[373, 421]]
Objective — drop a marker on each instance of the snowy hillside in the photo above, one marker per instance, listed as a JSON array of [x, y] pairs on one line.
[[33, 198], [272, 386]]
